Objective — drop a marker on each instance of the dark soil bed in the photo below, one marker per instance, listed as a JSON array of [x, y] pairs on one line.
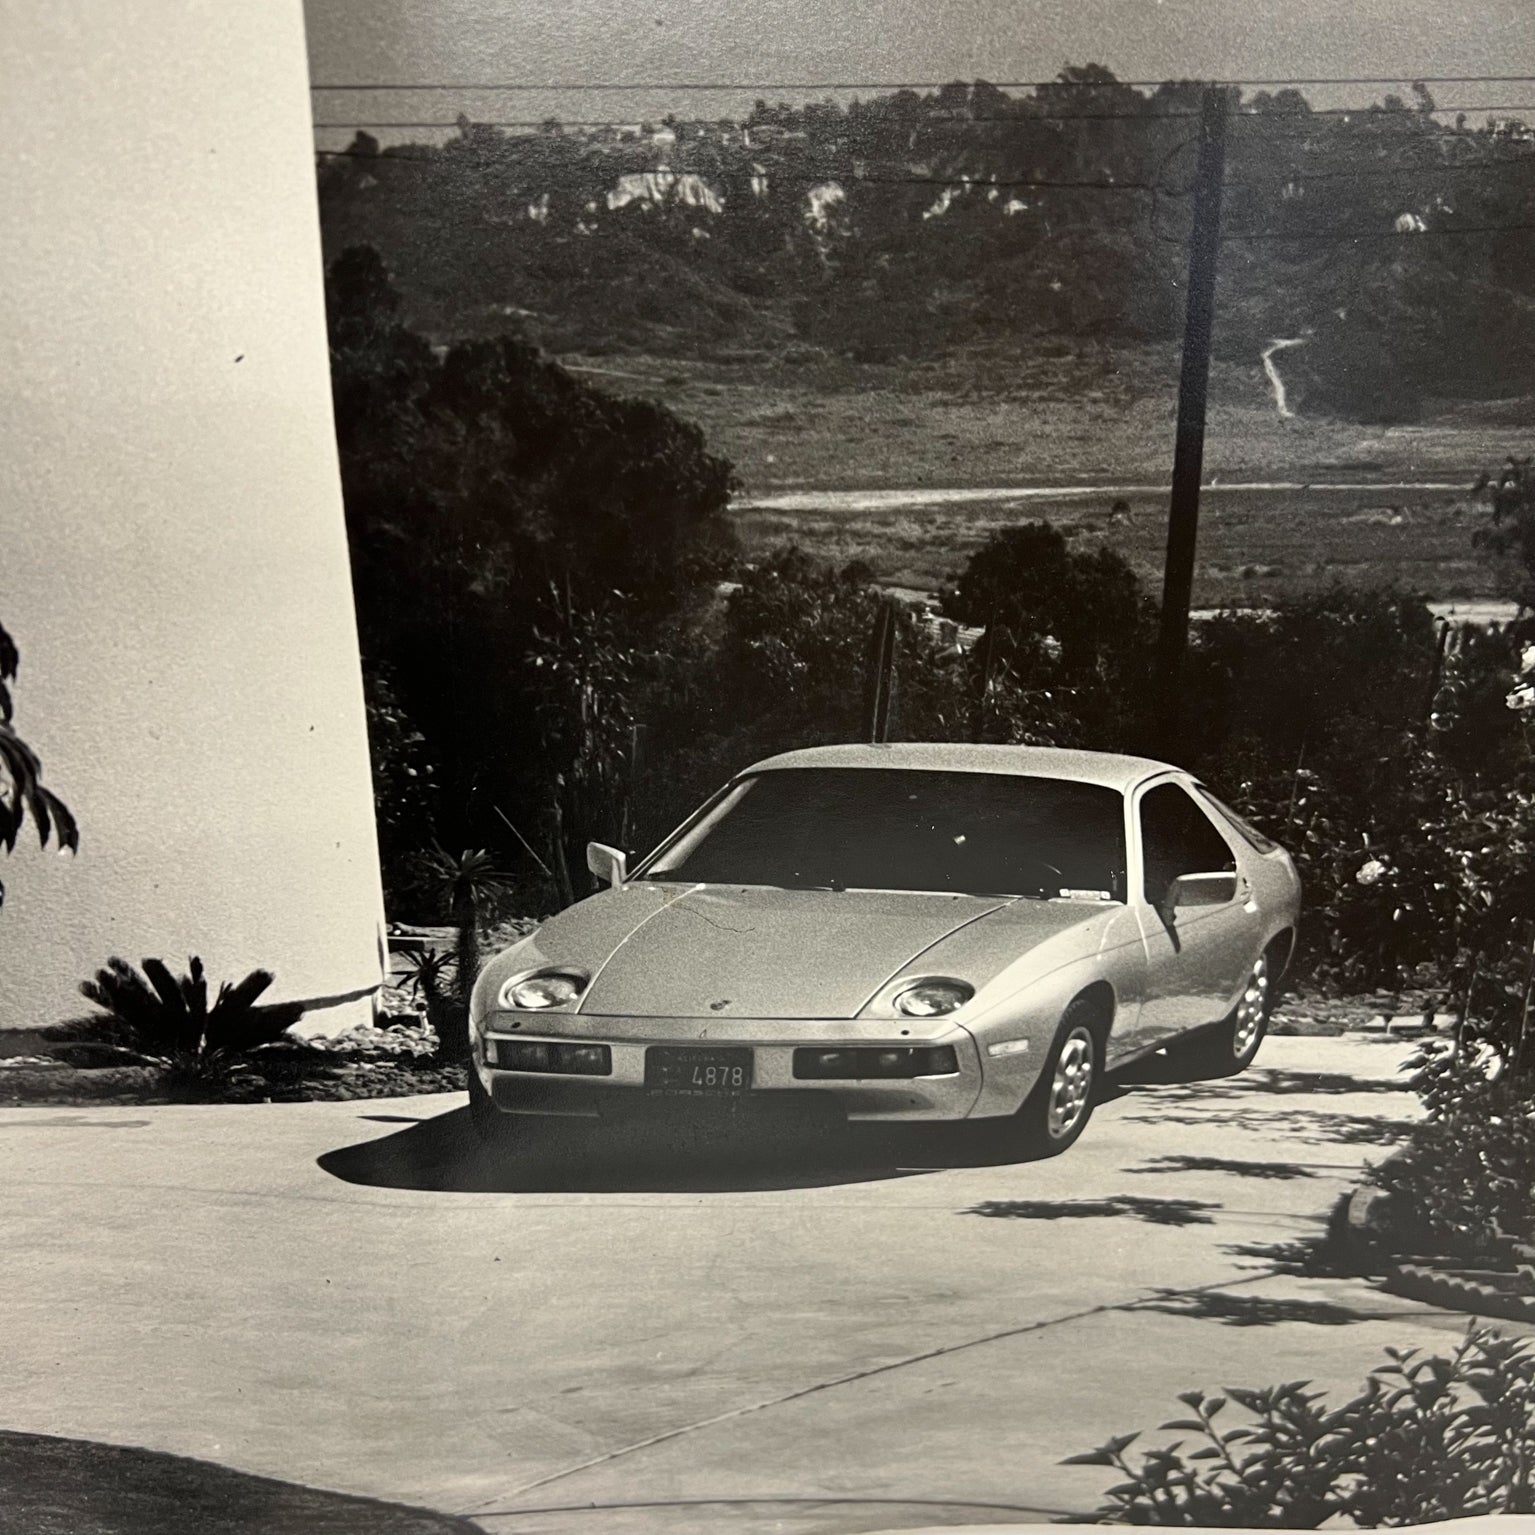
[[1315, 1013], [326, 1078], [392, 1059]]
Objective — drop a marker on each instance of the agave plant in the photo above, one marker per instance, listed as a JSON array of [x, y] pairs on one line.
[[21, 791], [159, 1020], [426, 978], [463, 882]]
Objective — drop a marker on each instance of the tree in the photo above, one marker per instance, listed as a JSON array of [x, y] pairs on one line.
[[1070, 635], [782, 662], [22, 794], [488, 491]]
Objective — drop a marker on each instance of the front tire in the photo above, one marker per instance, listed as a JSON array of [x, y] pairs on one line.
[[1230, 1046], [1057, 1110], [494, 1129]]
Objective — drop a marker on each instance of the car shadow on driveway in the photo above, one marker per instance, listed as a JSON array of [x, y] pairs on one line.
[[443, 1153], [688, 1155]]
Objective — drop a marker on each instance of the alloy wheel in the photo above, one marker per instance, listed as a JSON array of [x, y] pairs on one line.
[[1071, 1091], [1251, 1012]]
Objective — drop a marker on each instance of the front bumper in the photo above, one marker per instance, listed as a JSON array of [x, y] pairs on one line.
[[772, 1043]]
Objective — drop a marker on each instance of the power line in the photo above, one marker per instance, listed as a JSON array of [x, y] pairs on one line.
[[1380, 172], [1520, 161], [1344, 237], [1374, 114], [560, 87], [909, 85], [1391, 80], [1022, 117]]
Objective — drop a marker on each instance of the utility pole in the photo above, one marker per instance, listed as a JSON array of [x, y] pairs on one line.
[[881, 674], [1193, 390]]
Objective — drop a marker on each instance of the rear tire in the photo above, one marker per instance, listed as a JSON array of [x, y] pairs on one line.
[[1228, 1047], [1057, 1110]]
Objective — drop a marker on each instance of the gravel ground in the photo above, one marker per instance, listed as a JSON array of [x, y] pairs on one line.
[[388, 1062]]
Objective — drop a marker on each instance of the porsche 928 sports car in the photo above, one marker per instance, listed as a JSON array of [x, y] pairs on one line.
[[899, 933]]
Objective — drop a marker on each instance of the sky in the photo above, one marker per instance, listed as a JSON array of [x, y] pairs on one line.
[[640, 44]]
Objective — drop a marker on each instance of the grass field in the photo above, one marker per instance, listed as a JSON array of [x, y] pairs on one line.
[[1253, 546], [801, 431]]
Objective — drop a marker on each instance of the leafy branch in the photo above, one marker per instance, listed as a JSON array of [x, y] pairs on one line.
[[22, 794], [1428, 1438]]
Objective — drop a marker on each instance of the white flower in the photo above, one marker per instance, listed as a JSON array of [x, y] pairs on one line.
[[1522, 698], [1527, 659], [1372, 873]]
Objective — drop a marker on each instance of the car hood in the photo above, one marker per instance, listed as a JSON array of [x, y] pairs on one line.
[[694, 951]]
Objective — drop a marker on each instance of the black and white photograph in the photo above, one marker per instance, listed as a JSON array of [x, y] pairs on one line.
[[767, 767]]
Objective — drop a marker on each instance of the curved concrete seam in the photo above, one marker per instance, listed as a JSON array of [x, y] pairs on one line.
[[791, 1498]]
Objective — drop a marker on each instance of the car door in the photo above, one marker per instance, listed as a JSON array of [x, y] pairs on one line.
[[1195, 962]]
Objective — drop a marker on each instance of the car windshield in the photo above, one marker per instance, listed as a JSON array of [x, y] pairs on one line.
[[888, 829]]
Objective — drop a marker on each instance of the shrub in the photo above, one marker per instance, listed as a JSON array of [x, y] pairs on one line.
[[1460, 1188], [158, 1020], [1394, 774], [404, 788], [1429, 1438], [1511, 532]]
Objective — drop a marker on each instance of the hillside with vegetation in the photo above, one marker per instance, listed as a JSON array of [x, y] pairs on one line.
[[1392, 249]]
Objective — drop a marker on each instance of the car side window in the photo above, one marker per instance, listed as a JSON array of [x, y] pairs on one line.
[[1244, 828], [1177, 838]]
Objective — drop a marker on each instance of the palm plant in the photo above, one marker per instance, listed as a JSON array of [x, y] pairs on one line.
[[21, 791], [463, 883], [156, 1019]]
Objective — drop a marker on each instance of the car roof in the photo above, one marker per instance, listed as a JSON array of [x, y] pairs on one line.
[[1108, 769]]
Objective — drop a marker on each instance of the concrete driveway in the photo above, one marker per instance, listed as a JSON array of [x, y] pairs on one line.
[[618, 1338]]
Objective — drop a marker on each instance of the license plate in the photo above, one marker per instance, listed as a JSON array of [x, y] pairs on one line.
[[672, 1069]]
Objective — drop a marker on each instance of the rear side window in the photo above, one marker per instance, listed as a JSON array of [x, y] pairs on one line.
[[1177, 838], [1241, 826]]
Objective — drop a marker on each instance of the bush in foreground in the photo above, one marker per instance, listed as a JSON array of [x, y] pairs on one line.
[[1460, 1188], [1429, 1438]]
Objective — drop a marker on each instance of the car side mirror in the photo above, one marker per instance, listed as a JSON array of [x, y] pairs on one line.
[[607, 863]]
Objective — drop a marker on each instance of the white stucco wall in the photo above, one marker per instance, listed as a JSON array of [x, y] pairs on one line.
[[172, 553]]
